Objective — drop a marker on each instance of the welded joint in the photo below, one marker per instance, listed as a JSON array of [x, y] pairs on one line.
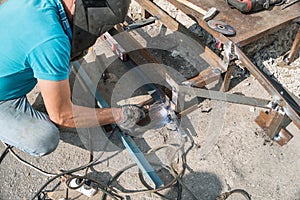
[[229, 52], [277, 105], [175, 92]]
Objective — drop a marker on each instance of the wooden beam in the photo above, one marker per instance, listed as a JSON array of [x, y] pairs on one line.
[[227, 79], [205, 77], [294, 48]]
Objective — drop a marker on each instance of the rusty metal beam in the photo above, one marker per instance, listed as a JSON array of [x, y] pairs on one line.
[[274, 124], [294, 48], [227, 79]]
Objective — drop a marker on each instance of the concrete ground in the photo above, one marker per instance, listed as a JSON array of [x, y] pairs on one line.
[[229, 150]]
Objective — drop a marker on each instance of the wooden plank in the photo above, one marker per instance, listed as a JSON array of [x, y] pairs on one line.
[[294, 48], [145, 13], [205, 77], [249, 27], [227, 79]]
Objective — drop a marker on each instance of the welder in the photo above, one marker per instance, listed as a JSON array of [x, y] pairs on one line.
[[38, 39]]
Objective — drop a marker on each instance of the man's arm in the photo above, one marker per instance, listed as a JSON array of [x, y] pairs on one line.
[[61, 110]]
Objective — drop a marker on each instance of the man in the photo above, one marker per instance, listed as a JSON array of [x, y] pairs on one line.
[[38, 37]]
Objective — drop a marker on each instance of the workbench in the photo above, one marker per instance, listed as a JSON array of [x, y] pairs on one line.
[[249, 27]]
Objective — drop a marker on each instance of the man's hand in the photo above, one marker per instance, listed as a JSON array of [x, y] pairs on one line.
[[132, 114]]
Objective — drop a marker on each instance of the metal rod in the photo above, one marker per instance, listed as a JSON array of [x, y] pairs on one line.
[[220, 96]]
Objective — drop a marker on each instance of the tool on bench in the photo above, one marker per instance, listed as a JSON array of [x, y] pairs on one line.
[[221, 27], [115, 46], [218, 26], [140, 23], [247, 6], [288, 4], [208, 15]]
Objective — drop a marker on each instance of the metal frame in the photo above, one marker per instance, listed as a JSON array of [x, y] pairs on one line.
[[282, 98]]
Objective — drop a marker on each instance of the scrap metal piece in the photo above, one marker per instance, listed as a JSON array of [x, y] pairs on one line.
[[274, 123], [115, 46], [283, 137]]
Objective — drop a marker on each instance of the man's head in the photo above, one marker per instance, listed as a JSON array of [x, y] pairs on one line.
[[91, 18]]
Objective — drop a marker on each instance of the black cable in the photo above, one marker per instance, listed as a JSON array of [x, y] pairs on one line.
[[225, 195], [5, 152], [25, 162], [149, 187], [108, 190], [175, 181], [72, 170]]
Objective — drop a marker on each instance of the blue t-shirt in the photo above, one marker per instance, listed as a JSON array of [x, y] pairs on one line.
[[33, 45]]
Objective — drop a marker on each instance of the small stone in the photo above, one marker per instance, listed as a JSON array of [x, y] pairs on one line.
[[247, 84], [252, 109], [175, 53]]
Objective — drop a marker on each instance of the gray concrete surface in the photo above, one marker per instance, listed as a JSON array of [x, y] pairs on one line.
[[230, 150]]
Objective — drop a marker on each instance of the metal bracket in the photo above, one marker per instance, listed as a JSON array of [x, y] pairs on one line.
[[274, 124]]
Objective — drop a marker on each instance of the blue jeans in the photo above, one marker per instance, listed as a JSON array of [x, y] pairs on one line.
[[27, 129]]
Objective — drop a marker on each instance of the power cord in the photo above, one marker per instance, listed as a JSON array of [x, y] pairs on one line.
[[225, 195], [113, 192], [5, 152]]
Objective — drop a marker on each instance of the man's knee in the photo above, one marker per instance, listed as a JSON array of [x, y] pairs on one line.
[[46, 143]]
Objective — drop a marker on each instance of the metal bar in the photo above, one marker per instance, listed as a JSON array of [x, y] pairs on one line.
[[128, 142], [220, 96]]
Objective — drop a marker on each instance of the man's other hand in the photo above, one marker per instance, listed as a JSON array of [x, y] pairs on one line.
[[132, 114]]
